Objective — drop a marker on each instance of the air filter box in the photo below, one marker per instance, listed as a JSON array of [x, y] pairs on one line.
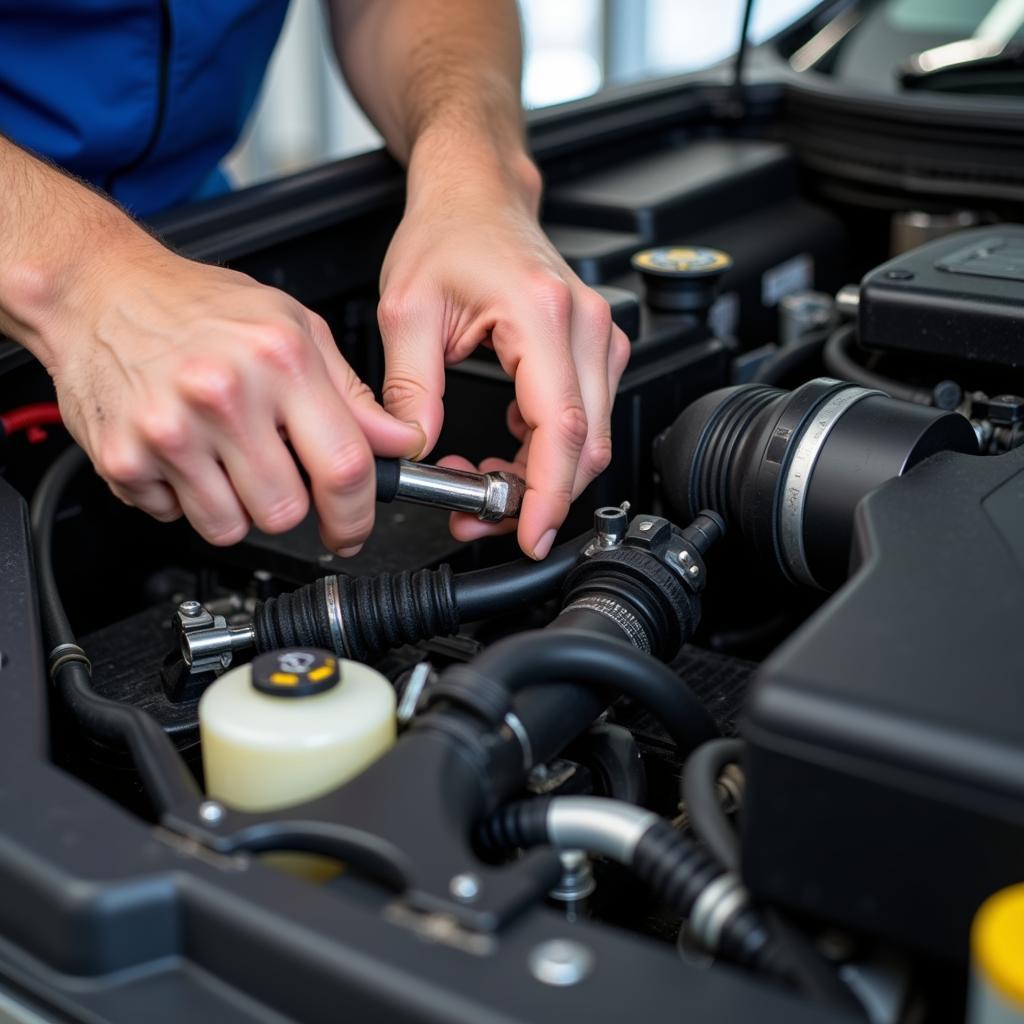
[[960, 297], [886, 737]]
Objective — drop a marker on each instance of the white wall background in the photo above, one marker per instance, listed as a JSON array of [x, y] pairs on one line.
[[306, 115]]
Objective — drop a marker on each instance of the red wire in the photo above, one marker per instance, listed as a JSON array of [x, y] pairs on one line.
[[25, 417]]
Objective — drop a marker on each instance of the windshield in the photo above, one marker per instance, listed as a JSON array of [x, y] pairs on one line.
[[942, 45]]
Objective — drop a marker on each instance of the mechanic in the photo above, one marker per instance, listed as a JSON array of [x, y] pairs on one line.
[[182, 381]]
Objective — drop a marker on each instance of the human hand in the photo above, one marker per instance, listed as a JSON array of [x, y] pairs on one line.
[[468, 266], [185, 384]]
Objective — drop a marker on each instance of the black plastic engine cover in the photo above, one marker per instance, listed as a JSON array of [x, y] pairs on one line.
[[959, 297], [886, 764]]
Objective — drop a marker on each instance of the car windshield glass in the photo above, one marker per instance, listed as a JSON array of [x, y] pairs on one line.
[[967, 46]]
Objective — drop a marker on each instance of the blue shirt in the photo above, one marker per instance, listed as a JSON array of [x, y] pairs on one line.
[[141, 97]]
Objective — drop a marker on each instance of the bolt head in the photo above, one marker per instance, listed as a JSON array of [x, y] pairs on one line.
[[646, 525], [465, 887], [211, 812], [684, 556], [190, 609], [503, 497], [694, 570], [561, 962]]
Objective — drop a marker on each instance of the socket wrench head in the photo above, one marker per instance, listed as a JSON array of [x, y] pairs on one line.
[[503, 498]]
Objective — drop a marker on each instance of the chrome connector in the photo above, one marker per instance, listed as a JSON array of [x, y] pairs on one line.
[[491, 497], [207, 642]]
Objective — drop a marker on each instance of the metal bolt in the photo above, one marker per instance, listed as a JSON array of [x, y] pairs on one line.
[[465, 887], [848, 299], [610, 525], [190, 609], [577, 881], [646, 525], [413, 691], [561, 962], [211, 812], [684, 556], [694, 570]]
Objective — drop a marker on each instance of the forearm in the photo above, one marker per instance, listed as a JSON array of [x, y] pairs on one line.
[[469, 263], [58, 236], [440, 79]]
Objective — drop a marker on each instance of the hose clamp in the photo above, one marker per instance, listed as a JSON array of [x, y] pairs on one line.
[[617, 612], [718, 902], [514, 724], [332, 599], [64, 654], [798, 473]]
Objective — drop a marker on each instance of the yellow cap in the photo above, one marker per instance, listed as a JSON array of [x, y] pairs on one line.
[[680, 259], [997, 944]]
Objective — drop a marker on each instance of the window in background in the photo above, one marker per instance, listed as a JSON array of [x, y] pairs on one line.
[[683, 35], [562, 50], [572, 49]]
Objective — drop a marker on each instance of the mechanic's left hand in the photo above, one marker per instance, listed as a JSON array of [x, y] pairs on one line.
[[471, 266]]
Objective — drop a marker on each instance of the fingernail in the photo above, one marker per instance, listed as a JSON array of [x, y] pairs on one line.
[[349, 552], [544, 545], [421, 445]]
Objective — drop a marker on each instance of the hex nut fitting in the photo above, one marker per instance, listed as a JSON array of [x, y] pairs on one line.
[[503, 497]]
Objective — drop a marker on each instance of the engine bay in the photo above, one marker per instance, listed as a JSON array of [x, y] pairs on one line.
[[748, 742]]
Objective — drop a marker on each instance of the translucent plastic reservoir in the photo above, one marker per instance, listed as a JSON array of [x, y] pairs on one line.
[[262, 752]]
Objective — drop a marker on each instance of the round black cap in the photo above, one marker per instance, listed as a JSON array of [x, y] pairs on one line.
[[296, 672]]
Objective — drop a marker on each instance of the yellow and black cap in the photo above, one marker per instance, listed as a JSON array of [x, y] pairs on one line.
[[296, 672]]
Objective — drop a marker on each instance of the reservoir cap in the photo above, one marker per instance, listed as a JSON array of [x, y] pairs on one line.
[[295, 672], [681, 278]]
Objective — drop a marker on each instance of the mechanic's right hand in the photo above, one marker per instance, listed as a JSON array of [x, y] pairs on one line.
[[185, 383]]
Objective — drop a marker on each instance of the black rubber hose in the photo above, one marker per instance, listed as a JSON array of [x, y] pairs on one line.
[[839, 361], [165, 777], [678, 871], [675, 869], [371, 614], [517, 585], [377, 613], [703, 807], [801, 959], [556, 655]]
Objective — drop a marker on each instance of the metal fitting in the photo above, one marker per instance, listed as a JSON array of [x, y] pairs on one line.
[[207, 642], [719, 902], [848, 300], [610, 525], [577, 881], [561, 962], [599, 825], [465, 887], [491, 497]]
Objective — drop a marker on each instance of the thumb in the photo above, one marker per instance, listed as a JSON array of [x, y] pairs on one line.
[[413, 367], [386, 434]]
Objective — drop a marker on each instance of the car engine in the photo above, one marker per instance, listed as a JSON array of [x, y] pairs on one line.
[[749, 744]]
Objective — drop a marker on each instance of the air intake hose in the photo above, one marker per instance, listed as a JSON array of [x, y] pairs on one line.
[[787, 469]]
